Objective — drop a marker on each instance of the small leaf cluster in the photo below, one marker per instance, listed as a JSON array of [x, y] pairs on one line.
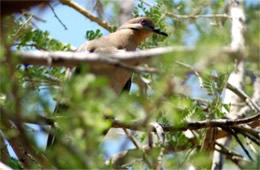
[[41, 40], [91, 35], [155, 13]]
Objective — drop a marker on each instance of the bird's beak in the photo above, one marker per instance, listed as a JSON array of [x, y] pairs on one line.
[[158, 31]]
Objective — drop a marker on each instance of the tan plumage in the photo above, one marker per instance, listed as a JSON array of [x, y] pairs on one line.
[[127, 37]]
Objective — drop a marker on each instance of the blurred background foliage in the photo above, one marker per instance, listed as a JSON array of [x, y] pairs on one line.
[[28, 91]]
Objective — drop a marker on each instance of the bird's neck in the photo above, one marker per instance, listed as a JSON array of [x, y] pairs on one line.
[[134, 36], [141, 35]]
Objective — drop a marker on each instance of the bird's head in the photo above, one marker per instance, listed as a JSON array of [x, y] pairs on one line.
[[143, 24]]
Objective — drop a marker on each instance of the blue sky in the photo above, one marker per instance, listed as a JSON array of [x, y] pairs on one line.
[[76, 23]]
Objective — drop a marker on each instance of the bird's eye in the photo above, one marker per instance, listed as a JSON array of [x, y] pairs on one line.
[[142, 21]]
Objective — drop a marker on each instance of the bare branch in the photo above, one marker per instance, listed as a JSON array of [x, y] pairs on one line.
[[72, 59], [19, 29], [232, 155], [138, 147], [56, 16], [176, 16], [234, 133], [244, 97], [138, 125], [119, 59], [87, 14], [146, 3], [210, 16], [196, 72], [206, 101], [28, 14], [255, 98]]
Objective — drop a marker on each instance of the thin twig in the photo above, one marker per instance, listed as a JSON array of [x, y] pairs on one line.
[[26, 13], [228, 150], [248, 129], [56, 16], [87, 14], [248, 135], [19, 29], [244, 97], [196, 72], [249, 143], [202, 100], [256, 96], [138, 147], [232, 132], [233, 156], [210, 16], [185, 158], [146, 3], [176, 16]]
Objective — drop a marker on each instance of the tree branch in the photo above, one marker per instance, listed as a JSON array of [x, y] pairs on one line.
[[210, 16], [138, 125], [56, 16], [119, 59], [244, 97], [235, 157], [138, 147], [176, 16], [71, 59], [236, 78], [87, 14]]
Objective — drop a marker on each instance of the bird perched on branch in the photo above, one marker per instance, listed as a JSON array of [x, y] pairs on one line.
[[127, 37]]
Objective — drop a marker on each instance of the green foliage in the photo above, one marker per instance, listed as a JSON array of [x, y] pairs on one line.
[[155, 13], [215, 86], [91, 35], [41, 40], [84, 99], [14, 163], [202, 160]]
